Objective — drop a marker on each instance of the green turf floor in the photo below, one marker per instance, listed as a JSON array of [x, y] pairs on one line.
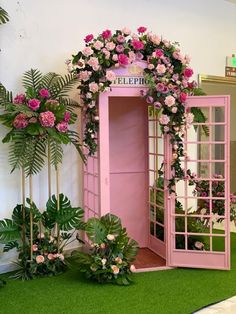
[[178, 291]]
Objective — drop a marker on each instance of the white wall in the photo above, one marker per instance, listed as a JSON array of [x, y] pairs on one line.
[[42, 34]]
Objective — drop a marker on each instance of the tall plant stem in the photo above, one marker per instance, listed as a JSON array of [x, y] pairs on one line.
[[58, 205], [23, 207], [31, 216], [49, 171]]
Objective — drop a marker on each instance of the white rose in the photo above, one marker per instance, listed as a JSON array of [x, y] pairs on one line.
[[110, 237]]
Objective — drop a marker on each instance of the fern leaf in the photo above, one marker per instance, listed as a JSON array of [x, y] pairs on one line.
[[34, 156], [63, 85], [32, 79], [70, 103], [4, 17], [56, 153], [75, 140], [11, 245]]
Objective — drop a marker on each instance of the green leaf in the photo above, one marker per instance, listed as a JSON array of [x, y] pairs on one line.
[[95, 230], [56, 152], [9, 231], [63, 85], [7, 137], [4, 17], [34, 129], [49, 79], [112, 223], [11, 245], [32, 79]]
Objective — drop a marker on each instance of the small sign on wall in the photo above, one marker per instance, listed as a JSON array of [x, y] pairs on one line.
[[230, 69]]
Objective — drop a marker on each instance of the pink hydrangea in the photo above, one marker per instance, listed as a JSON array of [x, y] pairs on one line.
[[110, 76], [44, 93], [164, 119], [62, 126], [47, 119], [88, 38], [142, 29], [19, 99], [123, 59], [34, 104], [106, 34], [188, 72], [20, 121], [137, 44], [67, 116]]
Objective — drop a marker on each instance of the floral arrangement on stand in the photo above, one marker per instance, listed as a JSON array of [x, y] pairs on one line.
[[167, 74], [48, 244], [38, 118], [111, 251]]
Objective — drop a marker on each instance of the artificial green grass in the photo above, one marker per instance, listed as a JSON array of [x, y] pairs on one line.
[[177, 291]]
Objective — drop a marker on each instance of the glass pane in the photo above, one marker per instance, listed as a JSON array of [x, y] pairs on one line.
[[203, 152], [218, 168], [159, 232], [198, 243], [180, 224], [180, 241], [218, 133], [160, 215], [218, 244], [218, 114], [198, 225], [218, 151], [152, 228], [152, 217]]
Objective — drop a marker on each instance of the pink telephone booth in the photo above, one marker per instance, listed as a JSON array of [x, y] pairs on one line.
[[122, 178]]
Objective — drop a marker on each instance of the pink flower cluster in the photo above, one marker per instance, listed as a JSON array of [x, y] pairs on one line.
[[20, 121], [47, 119]]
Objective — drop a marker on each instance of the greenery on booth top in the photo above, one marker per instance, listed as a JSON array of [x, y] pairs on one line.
[[167, 74], [38, 119], [53, 230], [111, 251], [4, 17]]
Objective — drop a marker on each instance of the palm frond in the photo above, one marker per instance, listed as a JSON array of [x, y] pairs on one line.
[[11, 245], [56, 152], [75, 140], [9, 231], [5, 96], [32, 79], [17, 149], [49, 79], [199, 117], [63, 85], [34, 158], [70, 103], [4, 17]]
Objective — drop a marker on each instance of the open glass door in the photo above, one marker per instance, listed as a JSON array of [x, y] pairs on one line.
[[199, 234], [157, 185]]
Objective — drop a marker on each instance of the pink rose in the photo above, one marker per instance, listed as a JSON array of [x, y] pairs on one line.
[[85, 75], [40, 259], [118, 260], [164, 119], [132, 56], [169, 101], [120, 38], [157, 104], [132, 268], [34, 247], [67, 116], [115, 269], [183, 97], [188, 72], [155, 39], [98, 45], [93, 87], [44, 93], [106, 34], [93, 62], [47, 119], [139, 56], [34, 104], [160, 87], [110, 45], [102, 245], [62, 126], [88, 38], [151, 66], [142, 29], [166, 128], [137, 44], [126, 31], [199, 245], [110, 76], [19, 99], [123, 59], [174, 109], [119, 48], [87, 51], [161, 69], [51, 256], [149, 99], [159, 53], [115, 57]]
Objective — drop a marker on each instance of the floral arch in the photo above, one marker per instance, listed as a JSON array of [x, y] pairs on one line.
[[167, 75]]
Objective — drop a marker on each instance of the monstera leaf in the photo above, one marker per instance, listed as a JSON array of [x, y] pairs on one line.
[[66, 216], [96, 230], [112, 223], [9, 231]]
